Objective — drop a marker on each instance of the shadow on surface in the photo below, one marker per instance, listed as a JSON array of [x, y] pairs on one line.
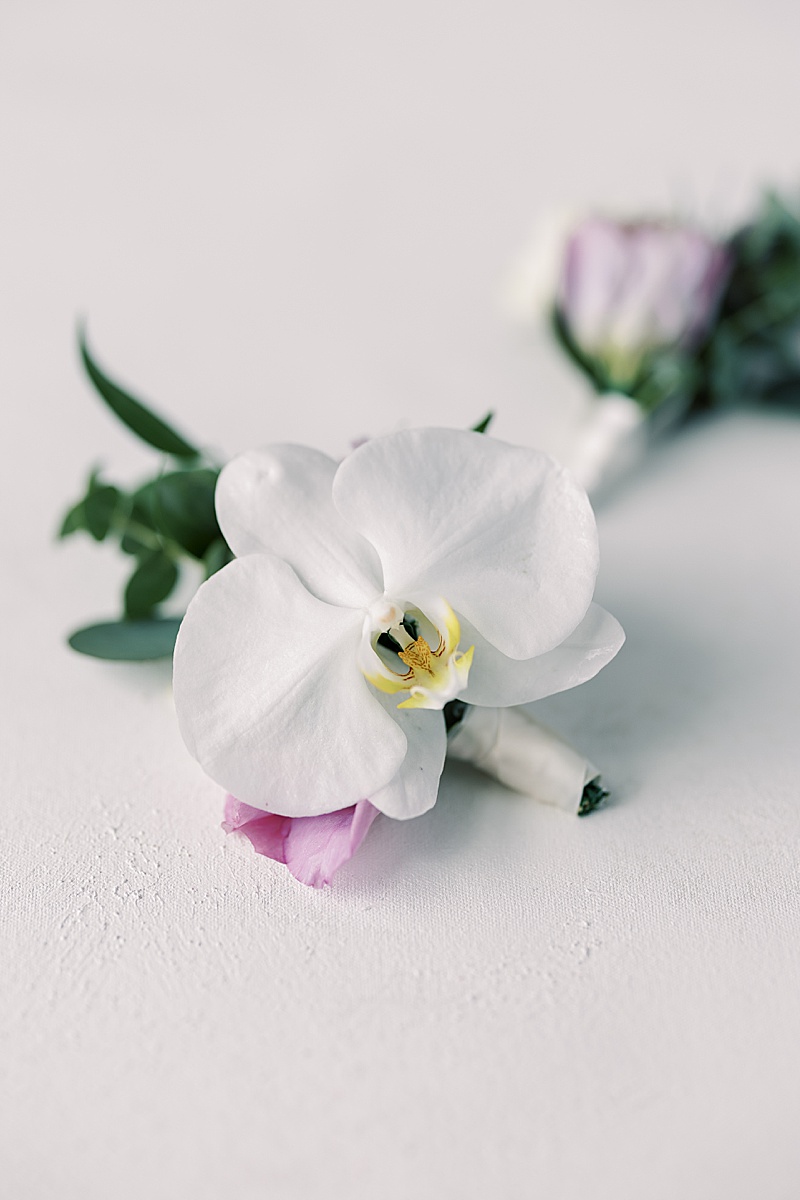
[[654, 695]]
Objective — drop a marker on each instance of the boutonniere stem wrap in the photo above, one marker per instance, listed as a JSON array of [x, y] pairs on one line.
[[511, 746], [312, 672]]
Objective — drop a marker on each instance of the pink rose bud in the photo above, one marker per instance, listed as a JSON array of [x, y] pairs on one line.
[[313, 848], [630, 289]]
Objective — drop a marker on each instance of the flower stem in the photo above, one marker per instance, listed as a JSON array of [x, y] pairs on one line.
[[594, 794]]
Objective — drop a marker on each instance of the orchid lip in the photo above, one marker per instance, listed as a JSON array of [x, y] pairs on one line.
[[412, 651]]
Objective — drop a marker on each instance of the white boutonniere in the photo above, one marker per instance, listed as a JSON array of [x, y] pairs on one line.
[[359, 620], [429, 566]]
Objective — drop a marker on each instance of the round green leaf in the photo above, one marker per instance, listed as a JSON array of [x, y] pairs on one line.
[[181, 506], [73, 520], [216, 557], [128, 641], [151, 582], [99, 507]]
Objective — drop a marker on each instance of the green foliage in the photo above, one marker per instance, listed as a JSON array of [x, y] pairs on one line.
[[94, 512], [74, 519], [665, 375], [128, 641], [216, 557], [649, 378], [139, 419], [591, 367], [753, 352], [99, 506], [164, 521], [484, 423], [137, 534], [594, 794], [181, 506], [153, 580]]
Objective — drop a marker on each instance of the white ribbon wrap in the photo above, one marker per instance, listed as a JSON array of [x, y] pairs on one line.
[[609, 442], [615, 435], [511, 746]]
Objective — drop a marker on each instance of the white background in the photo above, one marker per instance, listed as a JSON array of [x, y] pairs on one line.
[[293, 221]]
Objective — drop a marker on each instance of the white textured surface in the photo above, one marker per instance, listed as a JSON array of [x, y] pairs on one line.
[[290, 219]]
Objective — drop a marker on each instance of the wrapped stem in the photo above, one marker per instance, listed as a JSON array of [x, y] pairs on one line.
[[610, 442], [514, 748]]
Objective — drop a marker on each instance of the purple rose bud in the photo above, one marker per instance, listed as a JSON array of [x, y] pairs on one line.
[[628, 289]]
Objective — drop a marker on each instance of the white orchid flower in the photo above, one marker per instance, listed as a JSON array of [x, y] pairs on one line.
[[430, 564]]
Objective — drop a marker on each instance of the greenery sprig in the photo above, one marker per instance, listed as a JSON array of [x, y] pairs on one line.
[[166, 521], [753, 351]]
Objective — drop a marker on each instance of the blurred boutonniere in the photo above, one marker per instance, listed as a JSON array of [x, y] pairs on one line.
[[664, 319]]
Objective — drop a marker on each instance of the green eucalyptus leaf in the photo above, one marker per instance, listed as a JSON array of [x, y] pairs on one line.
[[133, 542], [725, 366], [74, 520], [139, 419], [138, 532], [99, 508], [181, 506], [128, 641], [665, 375], [786, 393], [484, 423], [151, 582], [594, 369], [762, 366], [216, 557]]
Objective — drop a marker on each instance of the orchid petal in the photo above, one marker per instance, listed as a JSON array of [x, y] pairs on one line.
[[502, 532], [497, 681], [414, 788], [270, 698], [313, 848], [278, 501]]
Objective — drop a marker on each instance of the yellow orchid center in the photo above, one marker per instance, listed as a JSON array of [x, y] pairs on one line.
[[414, 654], [417, 656]]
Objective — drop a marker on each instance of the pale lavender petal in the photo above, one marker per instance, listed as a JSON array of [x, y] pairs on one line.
[[594, 275], [313, 848], [633, 287]]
